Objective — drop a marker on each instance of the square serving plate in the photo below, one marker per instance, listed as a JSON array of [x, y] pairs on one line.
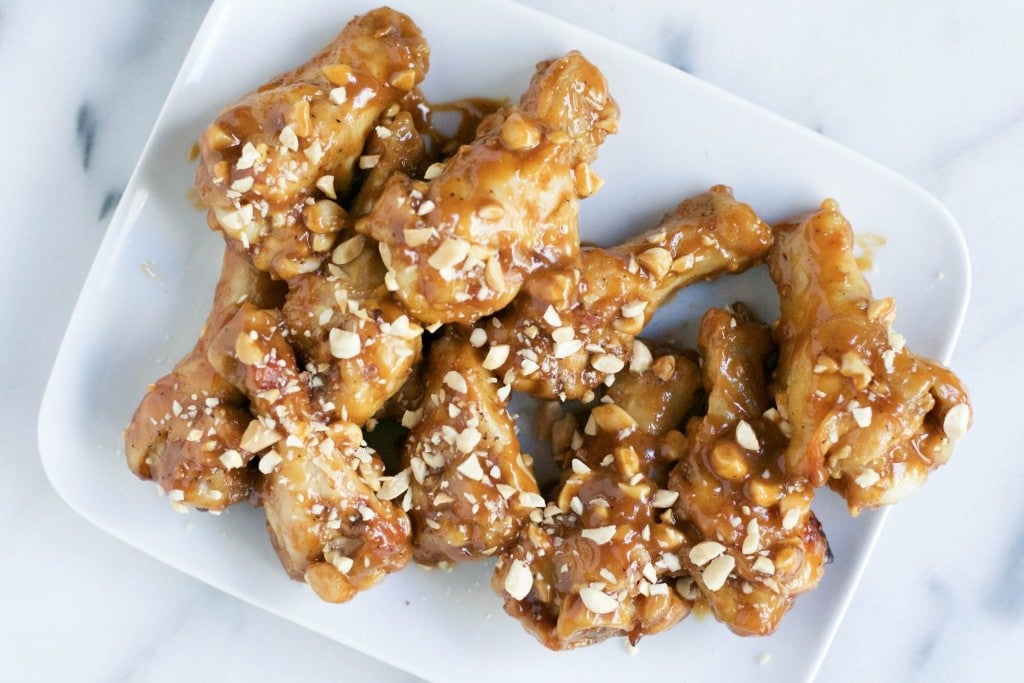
[[150, 286]]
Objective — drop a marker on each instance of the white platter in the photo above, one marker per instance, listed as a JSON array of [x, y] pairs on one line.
[[149, 288]]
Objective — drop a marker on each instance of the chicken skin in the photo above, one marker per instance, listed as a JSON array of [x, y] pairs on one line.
[[662, 385], [328, 505], [472, 488], [296, 141], [574, 327], [751, 542], [868, 417], [186, 433], [358, 343], [601, 562], [459, 246]]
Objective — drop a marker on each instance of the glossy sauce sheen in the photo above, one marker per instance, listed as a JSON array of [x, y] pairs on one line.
[[472, 487], [868, 417], [461, 243], [255, 176], [734, 491], [607, 297]]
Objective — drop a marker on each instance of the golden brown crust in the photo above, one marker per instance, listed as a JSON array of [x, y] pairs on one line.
[[398, 147], [460, 244], [359, 345], [868, 417], [323, 179], [299, 137], [186, 431], [573, 327], [327, 503], [659, 391], [602, 560], [751, 543], [472, 488]]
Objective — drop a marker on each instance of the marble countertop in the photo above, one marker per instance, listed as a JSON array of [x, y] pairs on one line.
[[931, 90]]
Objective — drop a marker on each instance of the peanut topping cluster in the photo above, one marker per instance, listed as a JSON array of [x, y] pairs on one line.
[[386, 289]]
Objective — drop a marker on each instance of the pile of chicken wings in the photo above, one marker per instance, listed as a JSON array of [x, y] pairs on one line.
[[373, 279]]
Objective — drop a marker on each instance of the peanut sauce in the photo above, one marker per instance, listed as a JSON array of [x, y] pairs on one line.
[[470, 112]]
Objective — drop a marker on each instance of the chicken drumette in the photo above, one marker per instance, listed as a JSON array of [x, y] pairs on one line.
[[868, 417], [471, 486], [574, 327], [602, 560], [751, 543], [459, 245], [351, 334], [293, 143], [661, 387], [326, 500], [357, 342], [186, 434]]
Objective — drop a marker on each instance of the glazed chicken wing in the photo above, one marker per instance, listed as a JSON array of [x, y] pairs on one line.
[[395, 146], [660, 387], [459, 245], [752, 544], [574, 327], [471, 486], [297, 139], [359, 345], [868, 416], [186, 433], [327, 503], [602, 560]]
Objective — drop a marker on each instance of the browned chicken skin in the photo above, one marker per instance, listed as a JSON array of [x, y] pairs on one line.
[[573, 327], [396, 147], [186, 433], [460, 244], [296, 141], [659, 392], [327, 503], [359, 344], [357, 341], [751, 543], [868, 417], [471, 486], [602, 560]]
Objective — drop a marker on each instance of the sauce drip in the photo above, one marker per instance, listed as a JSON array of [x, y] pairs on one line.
[[434, 121]]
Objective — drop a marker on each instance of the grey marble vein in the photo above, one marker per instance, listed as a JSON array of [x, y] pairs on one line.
[[1006, 593], [110, 202], [85, 132], [679, 47]]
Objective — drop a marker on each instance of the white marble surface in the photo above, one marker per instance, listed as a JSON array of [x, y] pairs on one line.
[[929, 89]]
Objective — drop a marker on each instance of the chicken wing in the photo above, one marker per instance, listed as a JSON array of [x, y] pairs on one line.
[[868, 416], [357, 342], [752, 544], [397, 147], [459, 246], [574, 327], [327, 503], [186, 433], [297, 139], [602, 560], [471, 486], [360, 346], [660, 387]]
